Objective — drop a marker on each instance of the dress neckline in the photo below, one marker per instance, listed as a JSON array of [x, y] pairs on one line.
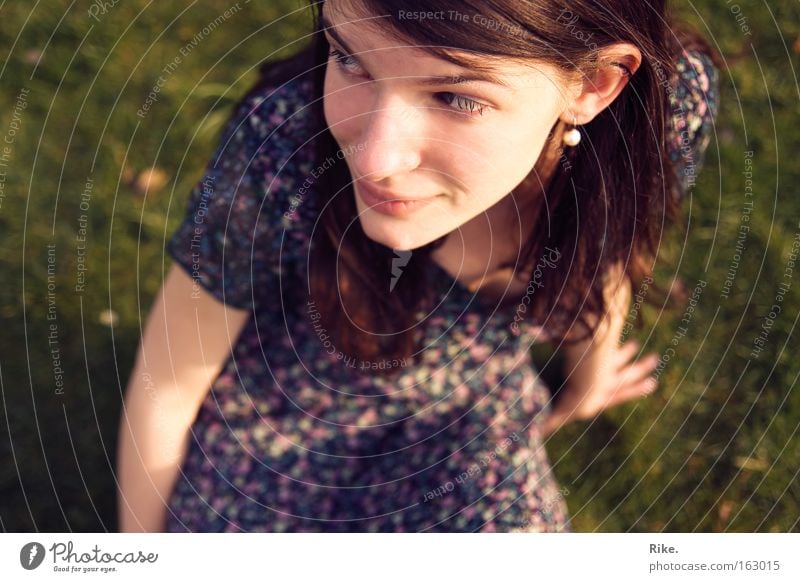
[[453, 292], [466, 299]]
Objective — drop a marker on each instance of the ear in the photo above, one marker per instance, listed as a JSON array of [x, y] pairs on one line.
[[598, 88]]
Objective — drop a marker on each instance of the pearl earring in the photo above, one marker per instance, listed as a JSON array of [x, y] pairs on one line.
[[572, 137]]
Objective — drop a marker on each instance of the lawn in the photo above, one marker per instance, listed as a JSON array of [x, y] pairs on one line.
[[109, 117]]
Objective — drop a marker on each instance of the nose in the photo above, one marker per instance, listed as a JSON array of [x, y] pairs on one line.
[[391, 140]]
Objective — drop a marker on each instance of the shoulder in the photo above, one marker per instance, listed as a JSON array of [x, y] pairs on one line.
[[694, 103], [275, 119], [236, 234], [696, 84], [274, 129], [271, 110]]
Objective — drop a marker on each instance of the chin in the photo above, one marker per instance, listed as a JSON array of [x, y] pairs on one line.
[[388, 237], [397, 237]]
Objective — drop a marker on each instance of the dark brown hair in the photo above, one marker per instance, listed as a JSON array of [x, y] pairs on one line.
[[604, 202]]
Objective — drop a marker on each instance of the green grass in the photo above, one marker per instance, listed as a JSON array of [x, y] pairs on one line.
[[710, 451]]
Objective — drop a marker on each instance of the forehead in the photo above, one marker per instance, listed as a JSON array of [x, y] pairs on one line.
[[363, 34]]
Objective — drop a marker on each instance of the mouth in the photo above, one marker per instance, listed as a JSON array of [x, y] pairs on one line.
[[389, 203]]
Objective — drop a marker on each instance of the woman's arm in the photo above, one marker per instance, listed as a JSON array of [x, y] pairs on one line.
[[597, 369], [186, 342]]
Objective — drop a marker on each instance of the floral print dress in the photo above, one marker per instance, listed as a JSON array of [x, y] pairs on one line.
[[293, 437]]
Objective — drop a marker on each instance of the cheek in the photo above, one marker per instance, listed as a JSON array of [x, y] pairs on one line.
[[494, 163], [342, 106], [515, 149]]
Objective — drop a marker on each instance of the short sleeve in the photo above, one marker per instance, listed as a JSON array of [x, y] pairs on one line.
[[229, 238], [694, 103]]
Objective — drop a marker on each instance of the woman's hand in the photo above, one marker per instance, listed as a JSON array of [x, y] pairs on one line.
[[616, 381]]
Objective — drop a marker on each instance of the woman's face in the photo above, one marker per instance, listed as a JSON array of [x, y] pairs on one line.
[[445, 150]]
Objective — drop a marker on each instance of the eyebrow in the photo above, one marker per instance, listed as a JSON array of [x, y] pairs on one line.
[[459, 79]]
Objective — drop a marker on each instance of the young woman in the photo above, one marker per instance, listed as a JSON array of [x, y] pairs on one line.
[[391, 219]]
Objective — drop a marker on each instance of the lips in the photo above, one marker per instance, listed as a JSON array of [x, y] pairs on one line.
[[387, 202], [386, 195]]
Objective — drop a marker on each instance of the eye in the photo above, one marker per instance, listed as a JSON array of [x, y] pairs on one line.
[[462, 104], [345, 62]]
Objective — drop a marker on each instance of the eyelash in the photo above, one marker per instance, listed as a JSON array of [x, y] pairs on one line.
[[466, 106]]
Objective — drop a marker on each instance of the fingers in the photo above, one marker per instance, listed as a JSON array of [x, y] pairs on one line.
[[628, 392], [640, 383], [627, 350], [634, 380], [619, 383], [641, 367]]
